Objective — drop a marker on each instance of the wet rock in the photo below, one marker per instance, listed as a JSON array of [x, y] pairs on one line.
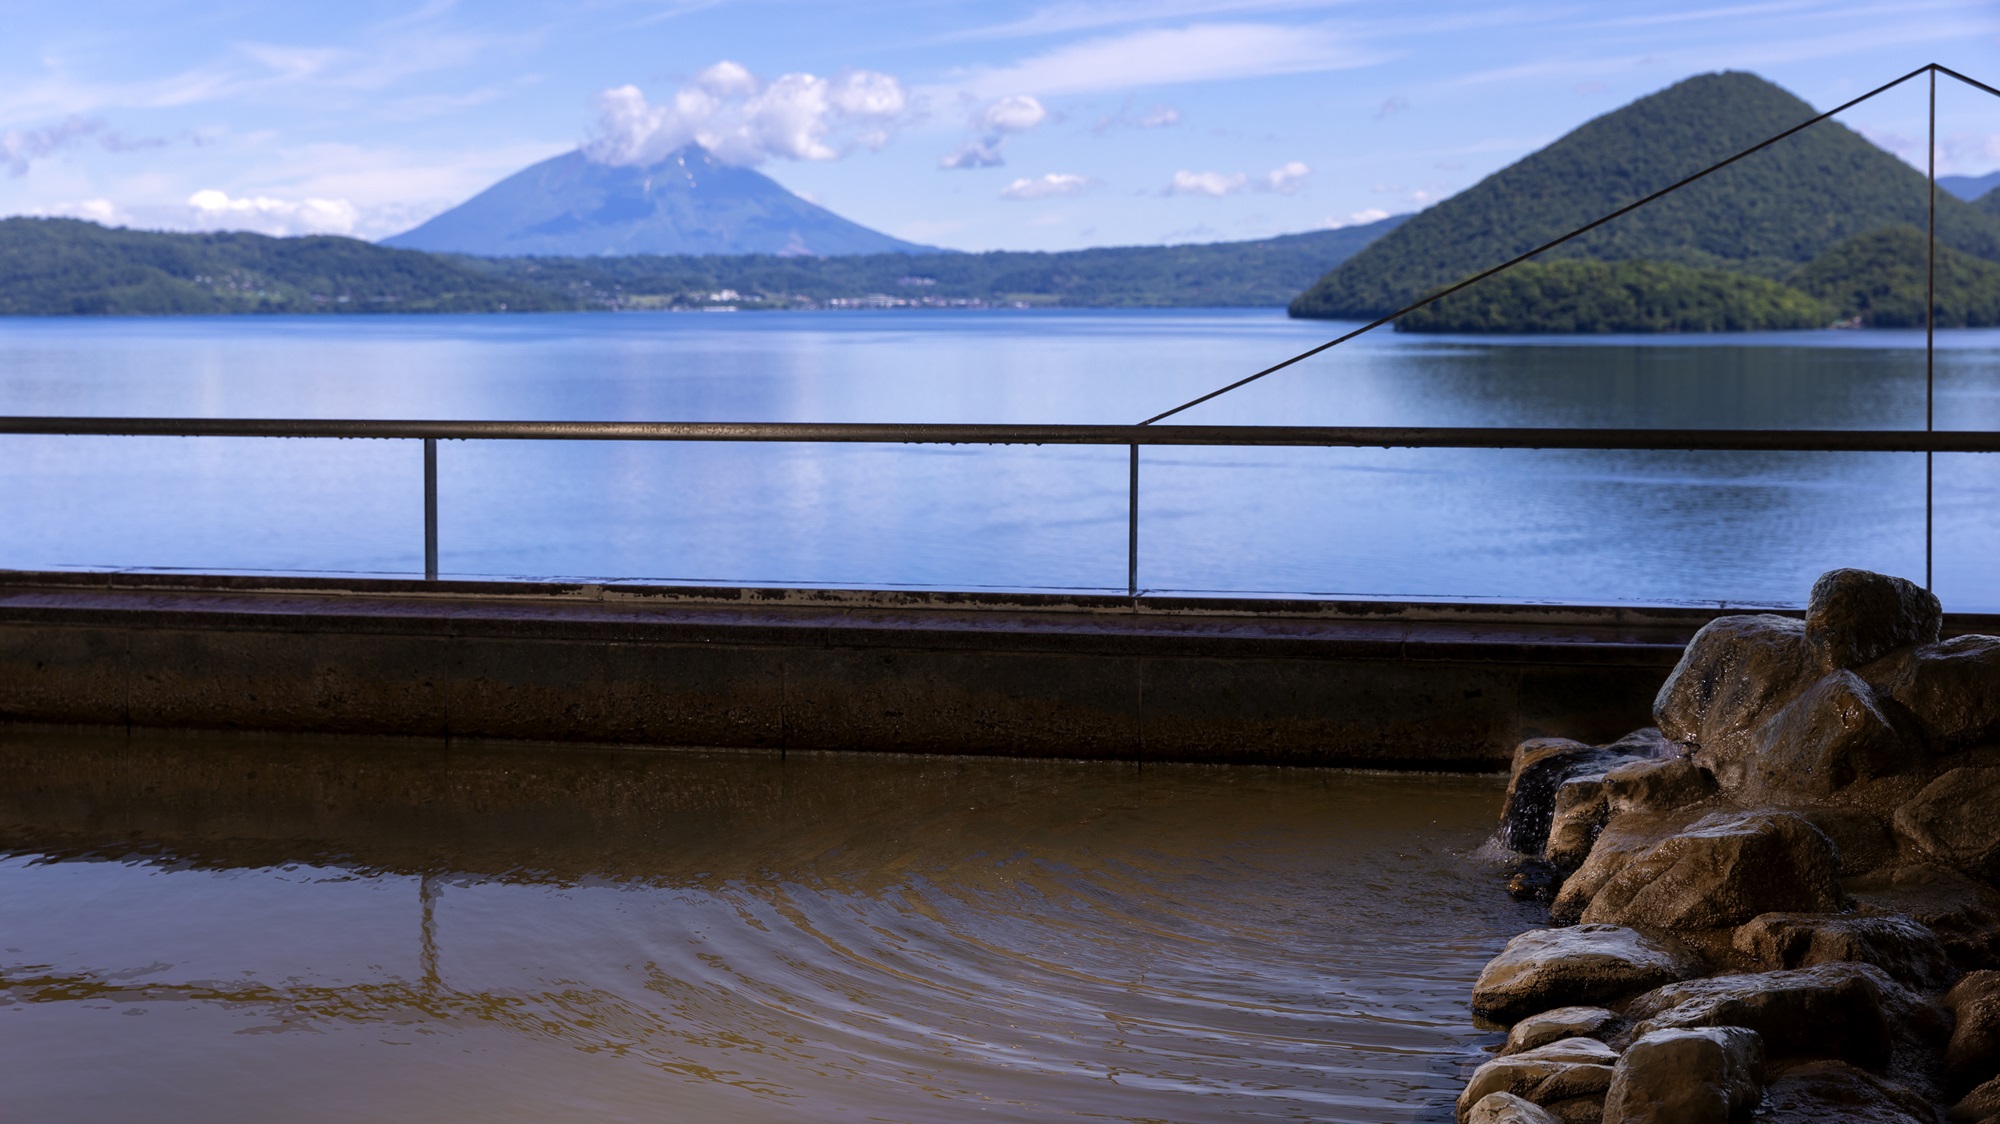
[[1978, 1106], [1830, 736], [1734, 671], [1563, 1022], [1533, 881], [1623, 838], [1823, 1091], [1506, 1108], [1953, 820], [1857, 616], [1581, 810], [1656, 785], [1963, 913], [1541, 765], [1862, 836], [1587, 964], [1973, 1055], [1714, 1075], [1951, 689], [1725, 869], [1910, 953], [1567, 1077], [1827, 1011]]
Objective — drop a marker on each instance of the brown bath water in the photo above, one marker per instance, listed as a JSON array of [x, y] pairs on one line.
[[209, 928]]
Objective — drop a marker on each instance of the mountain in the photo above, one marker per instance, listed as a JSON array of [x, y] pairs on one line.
[[1969, 188], [1260, 274], [1765, 215], [1878, 281], [688, 203], [1625, 296], [61, 267]]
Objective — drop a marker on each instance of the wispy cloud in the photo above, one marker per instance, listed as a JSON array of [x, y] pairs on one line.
[[1169, 56], [1051, 186], [21, 148], [1059, 19], [1004, 117], [1284, 180]]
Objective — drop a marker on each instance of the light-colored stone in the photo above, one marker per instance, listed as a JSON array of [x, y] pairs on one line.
[[1825, 1092], [1506, 1108], [1857, 616], [1953, 820], [1735, 671], [1554, 1026], [1725, 869], [1910, 953], [1581, 810], [1827, 1011], [1659, 785], [1713, 1075], [1973, 1056], [1833, 734], [1586, 964], [1623, 838], [1565, 1071], [1951, 689]]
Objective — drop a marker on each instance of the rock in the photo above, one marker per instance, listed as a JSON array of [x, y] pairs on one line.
[[1857, 616], [1734, 671], [1973, 1055], [1861, 836], [1587, 964], [1552, 1076], [1561, 1023], [1656, 785], [1951, 689], [1831, 735], [1581, 810], [1828, 1011], [1541, 765], [1822, 1091], [1506, 1108], [1979, 1105], [1953, 820], [1533, 880], [1725, 869], [1963, 913], [1714, 1075], [1910, 953], [1623, 838]]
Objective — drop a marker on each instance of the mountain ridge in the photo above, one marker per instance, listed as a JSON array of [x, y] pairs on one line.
[[689, 203]]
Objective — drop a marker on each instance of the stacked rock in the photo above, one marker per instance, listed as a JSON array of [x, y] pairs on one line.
[[1782, 900]]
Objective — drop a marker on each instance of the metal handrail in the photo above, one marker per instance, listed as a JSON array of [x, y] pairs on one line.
[[927, 433]]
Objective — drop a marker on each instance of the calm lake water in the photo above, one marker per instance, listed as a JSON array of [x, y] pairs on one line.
[[198, 928], [1578, 526]]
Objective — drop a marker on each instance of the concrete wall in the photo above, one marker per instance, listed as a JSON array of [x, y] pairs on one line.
[[1313, 683]]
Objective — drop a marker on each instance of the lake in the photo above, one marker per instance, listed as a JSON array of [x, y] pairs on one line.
[[216, 927], [1603, 527]]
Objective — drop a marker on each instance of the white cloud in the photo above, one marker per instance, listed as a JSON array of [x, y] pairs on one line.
[[1215, 185], [1358, 218], [1051, 186], [743, 120], [1162, 117], [217, 210], [1000, 119], [1285, 180]]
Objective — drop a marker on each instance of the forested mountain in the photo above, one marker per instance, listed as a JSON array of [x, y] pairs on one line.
[[1627, 296], [55, 267], [1878, 280], [688, 203], [1264, 273], [58, 267], [1766, 215]]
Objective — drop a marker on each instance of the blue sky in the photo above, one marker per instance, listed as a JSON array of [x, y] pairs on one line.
[[973, 125]]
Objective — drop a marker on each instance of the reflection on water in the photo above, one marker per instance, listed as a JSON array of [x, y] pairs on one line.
[[200, 928], [1577, 526]]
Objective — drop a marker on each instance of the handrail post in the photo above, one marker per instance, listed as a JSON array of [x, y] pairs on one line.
[[1132, 530], [430, 509]]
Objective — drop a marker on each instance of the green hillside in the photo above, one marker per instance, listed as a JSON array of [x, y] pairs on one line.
[[1628, 296], [1878, 280], [1766, 215], [1260, 274], [59, 267]]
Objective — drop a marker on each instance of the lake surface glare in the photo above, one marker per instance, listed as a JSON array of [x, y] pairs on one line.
[[198, 928], [1503, 524]]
